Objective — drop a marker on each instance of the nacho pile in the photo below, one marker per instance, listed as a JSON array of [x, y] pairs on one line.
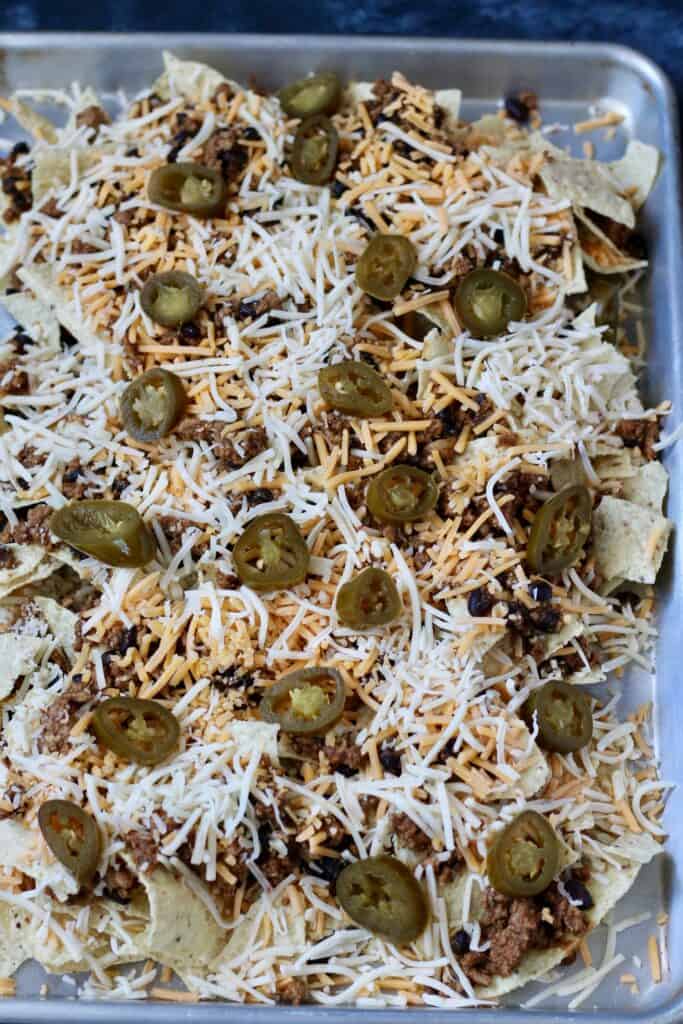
[[220, 863]]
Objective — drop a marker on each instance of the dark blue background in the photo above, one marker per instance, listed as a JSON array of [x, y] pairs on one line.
[[653, 26]]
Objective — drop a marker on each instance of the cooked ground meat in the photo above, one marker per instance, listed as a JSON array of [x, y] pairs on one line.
[[8, 560], [332, 426], [30, 457], [124, 217], [447, 870], [223, 152], [92, 117], [34, 529], [175, 530], [73, 485], [12, 801], [252, 309], [513, 926], [292, 991], [519, 485], [15, 183], [345, 758], [384, 95], [641, 434], [51, 208], [531, 621], [119, 639], [120, 883], [13, 381], [410, 834], [234, 451], [58, 719], [222, 94], [81, 248], [275, 869], [143, 847]]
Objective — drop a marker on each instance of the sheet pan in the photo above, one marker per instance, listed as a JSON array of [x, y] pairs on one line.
[[568, 78]]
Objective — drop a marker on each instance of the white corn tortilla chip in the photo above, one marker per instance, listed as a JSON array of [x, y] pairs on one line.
[[24, 849], [647, 486], [35, 318], [181, 930], [599, 252], [249, 736], [636, 172], [19, 656], [243, 936], [188, 78], [488, 636], [41, 281], [450, 101], [537, 963], [629, 541], [61, 622], [436, 346], [587, 184], [358, 92], [31, 121], [33, 563], [15, 936]]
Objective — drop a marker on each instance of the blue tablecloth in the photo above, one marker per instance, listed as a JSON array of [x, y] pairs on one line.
[[655, 27]]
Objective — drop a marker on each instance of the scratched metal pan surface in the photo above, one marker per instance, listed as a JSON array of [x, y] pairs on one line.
[[568, 79]]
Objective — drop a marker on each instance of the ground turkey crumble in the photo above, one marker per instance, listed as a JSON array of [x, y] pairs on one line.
[[513, 927]]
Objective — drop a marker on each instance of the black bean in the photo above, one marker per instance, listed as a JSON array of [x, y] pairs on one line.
[[232, 679], [19, 149], [129, 638], [390, 760], [132, 151], [21, 342], [251, 134], [172, 155], [346, 770], [540, 591], [355, 211], [260, 495], [578, 891], [337, 189], [328, 868], [460, 943], [191, 332], [66, 339], [516, 109], [479, 602]]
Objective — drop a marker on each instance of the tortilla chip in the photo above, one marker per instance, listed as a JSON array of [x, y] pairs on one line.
[[487, 636], [40, 280], [647, 486], [599, 252], [181, 930], [32, 122], [636, 172], [449, 100], [19, 656], [15, 934], [35, 319], [22, 848], [32, 563], [436, 346], [587, 184], [243, 936], [188, 78], [61, 623], [537, 963], [629, 540], [249, 736]]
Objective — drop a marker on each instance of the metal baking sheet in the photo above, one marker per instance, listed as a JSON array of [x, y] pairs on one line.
[[568, 79]]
